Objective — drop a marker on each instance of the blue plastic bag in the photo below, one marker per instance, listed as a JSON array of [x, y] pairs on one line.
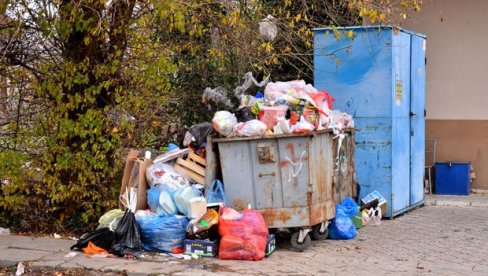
[[342, 227], [160, 201], [216, 194], [350, 207], [163, 234]]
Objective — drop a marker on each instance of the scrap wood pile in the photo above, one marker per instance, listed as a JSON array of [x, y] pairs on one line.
[[164, 205]]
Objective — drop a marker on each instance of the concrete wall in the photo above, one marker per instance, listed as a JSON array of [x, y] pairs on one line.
[[457, 80]]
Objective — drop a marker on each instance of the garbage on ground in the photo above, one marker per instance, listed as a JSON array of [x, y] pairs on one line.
[[182, 198], [243, 238], [209, 219], [93, 249], [342, 226], [381, 201], [167, 204], [4, 231], [127, 237], [71, 255], [270, 245], [198, 207], [110, 219], [20, 269], [102, 237], [160, 201], [205, 248], [163, 233]]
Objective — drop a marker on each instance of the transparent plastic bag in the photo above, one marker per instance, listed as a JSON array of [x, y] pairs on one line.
[[250, 128], [303, 126], [268, 29], [110, 219], [182, 198], [156, 171], [164, 234], [223, 122]]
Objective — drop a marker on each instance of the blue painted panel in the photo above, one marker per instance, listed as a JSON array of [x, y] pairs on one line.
[[373, 82], [373, 156], [400, 88], [363, 77], [417, 99], [401, 122]]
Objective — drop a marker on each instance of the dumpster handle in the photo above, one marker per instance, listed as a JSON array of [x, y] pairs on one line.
[[266, 174]]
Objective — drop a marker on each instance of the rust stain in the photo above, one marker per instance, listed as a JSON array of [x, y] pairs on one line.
[[322, 212], [271, 216]]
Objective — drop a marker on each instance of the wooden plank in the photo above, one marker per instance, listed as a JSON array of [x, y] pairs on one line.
[[196, 177], [191, 166], [196, 158]]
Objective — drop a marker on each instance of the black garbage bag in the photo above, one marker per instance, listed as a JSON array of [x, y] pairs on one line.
[[244, 114], [200, 133], [127, 236], [103, 238]]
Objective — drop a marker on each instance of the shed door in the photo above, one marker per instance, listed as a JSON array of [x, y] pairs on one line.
[[401, 123], [417, 119]]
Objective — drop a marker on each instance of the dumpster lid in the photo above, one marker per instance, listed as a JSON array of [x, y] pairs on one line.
[[217, 140]]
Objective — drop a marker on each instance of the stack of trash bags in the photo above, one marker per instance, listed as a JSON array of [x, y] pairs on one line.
[[175, 210]]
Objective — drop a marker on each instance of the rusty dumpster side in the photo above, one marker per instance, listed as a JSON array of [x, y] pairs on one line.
[[344, 179], [288, 178]]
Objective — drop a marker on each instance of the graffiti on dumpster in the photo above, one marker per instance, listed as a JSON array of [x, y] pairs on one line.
[[294, 164]]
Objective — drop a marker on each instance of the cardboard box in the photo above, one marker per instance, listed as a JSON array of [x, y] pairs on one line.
[[270, 245], [204, 248], [376, 195], [135, 175]]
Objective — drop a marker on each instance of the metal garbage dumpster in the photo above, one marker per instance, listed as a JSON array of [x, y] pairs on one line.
[[344, 178], [288, 178]]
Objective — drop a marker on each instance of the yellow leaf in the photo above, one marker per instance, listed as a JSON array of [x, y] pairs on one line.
[[155, 123]]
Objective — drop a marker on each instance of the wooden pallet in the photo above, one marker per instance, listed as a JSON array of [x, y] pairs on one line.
[[193, 167]]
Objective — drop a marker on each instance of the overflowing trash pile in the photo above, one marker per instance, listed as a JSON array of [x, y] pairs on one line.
[[291, 107], [164, 205]]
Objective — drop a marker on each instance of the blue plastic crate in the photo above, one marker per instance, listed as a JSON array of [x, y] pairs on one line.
[[452, 178]]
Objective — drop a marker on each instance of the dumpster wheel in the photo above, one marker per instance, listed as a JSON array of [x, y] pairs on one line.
[[300, 246], [320, 231]]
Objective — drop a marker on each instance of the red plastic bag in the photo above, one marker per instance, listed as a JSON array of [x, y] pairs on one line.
[[243, 238]]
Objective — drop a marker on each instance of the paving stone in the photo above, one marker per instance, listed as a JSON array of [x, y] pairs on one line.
[[436, 240]]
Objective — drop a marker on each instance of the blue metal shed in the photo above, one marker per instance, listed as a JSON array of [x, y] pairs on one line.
[[378, 76]]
